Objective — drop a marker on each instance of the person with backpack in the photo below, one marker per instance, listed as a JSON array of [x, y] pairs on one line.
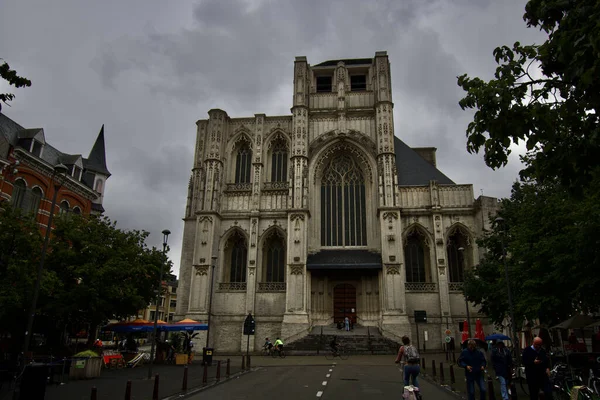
[[409, 356]]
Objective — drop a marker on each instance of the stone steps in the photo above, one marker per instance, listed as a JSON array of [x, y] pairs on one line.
[[354, 343]]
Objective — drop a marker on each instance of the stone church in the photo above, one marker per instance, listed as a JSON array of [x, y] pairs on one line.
[[305, 219]]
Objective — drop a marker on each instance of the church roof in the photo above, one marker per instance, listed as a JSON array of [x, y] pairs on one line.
[[344, 259], [414, 170], [97, 159], [352, 61]]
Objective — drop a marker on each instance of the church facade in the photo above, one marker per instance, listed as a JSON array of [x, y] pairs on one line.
[[305, 219]]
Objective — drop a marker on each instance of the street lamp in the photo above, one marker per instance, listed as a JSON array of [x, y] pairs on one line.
[[462, 249], [166, 234], [511, 309], [212, 280], [59, 174]]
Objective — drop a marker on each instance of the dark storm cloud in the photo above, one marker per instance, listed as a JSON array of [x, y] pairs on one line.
[[149, 70]]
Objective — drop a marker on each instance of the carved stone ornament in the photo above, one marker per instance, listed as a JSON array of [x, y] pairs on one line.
[[201, 269], [202, 260], [441, 261], [390, 215], [392, 258], [252, 262], [251, 271], [439, 241], [294, 217], [393, 270], [297, 270], [442, 270]]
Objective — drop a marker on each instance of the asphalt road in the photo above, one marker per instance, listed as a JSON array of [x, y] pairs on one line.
[[319, 382]]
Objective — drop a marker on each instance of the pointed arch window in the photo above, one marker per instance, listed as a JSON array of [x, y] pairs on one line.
[[458, 249], [416, 258], [243, 164], [237, 257], [279, 157], [343, 205], [274, 258], [18, 194]]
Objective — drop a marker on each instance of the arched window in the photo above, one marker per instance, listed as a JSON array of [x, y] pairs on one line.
[[416, 258], [18, 194], [274, 258], [237, 254], [243, 164], [64, 208], [458, 250], [35, 200], [279, 157], [76, 210], [343, 208]]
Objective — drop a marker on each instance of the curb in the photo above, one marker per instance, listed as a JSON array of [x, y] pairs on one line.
[[198, 389], [458, 395]]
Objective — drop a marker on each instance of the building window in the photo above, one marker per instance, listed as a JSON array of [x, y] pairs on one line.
[[237, 256], [152, 314], [274, 258], [458, 249], [64, 208], [171, 316], [243, 163], [18, 194], [416, 258], [76, 210], [358, 82], [279, 159], [76, 172], [324, 84], [99, 186], [36, 148], [35, 200], [343, 205], [173, 289], [173, 304]]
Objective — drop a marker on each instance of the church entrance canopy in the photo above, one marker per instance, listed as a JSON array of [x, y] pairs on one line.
[[344, 260]]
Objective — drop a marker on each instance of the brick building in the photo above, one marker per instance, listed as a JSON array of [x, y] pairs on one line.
[[28, 181], [325, 214]]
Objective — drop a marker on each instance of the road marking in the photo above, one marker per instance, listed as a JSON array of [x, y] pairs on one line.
[[319, 393], [324, 383], [327, 376]]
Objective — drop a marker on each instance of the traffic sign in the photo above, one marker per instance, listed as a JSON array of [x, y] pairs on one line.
[[448, 339]]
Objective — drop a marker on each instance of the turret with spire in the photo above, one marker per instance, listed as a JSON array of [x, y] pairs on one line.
[[96, 173]]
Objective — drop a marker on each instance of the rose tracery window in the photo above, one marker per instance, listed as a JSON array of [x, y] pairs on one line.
[[343, 205]]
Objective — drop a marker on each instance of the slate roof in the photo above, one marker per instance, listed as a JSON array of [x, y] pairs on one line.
[[344, 259], [414, 170], [97, 158], [28, 133], [352, 61]]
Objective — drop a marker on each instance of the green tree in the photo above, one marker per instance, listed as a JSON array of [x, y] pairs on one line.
[[552, 254], [13, 79], [546, 95], [20, 244], [98, 272]]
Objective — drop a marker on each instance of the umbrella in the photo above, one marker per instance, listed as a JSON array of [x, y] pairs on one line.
[[197, 326], [575, 322], [595, 324], [497, 336], [479, 330], [465, 331]]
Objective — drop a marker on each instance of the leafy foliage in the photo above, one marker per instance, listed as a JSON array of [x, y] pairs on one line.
[[552, 254], [546, 95], [13, 79]]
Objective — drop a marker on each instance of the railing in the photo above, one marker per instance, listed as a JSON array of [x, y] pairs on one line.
[[420, 286], [276, 185], [455, 286], [239, 187], [271, 286], [232, 286]]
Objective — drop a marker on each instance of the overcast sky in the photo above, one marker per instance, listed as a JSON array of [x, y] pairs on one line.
[[149, 69]]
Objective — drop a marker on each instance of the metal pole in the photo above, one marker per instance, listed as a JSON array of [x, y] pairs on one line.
[[212, 280], [510, 303], [166, 234], [468, 315], [36, 290]]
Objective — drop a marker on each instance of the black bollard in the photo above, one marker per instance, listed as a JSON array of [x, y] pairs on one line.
[[513, 391], [433, 368], [94, 395], [128, 391], [155, 392], [441, 372], [454, 357], [452, 377], [423, 364], [205, 375], [243, 363], [218, 377], [491, 392], [185, 372], [228, 371]]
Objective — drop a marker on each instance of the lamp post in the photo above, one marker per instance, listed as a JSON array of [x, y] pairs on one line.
[[511, 309], [166, 234], [212, 280], [462, 249], [59, 172]]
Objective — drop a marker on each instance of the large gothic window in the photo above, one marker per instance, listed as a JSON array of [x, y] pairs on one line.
[[274, 258], [343, 208], [458, 249], [243, 164], [237, 257], [416, 258], [279, 158]]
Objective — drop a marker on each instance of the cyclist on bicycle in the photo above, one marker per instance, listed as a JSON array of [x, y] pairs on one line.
[[334, 345], [268, 345], [279, 344]]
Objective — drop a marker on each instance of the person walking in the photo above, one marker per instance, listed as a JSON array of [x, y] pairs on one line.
[[502, 362], [408, 356], [474, 363], [537, 369], [347, 324]]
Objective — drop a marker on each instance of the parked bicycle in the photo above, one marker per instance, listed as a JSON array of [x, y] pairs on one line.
[[594, 382], [563, 383], [341, 352]]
